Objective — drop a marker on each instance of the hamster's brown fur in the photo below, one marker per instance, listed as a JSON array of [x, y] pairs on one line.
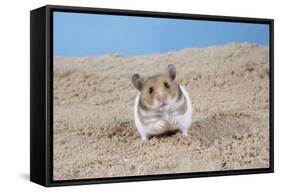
[[156, 86]]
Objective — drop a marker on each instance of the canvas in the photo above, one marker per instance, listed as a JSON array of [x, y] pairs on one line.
[[120, 95]]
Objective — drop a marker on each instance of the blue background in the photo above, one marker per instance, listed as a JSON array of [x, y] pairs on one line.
[[81, 34]]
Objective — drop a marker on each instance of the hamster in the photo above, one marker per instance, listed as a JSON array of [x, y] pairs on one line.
[[161, 104]]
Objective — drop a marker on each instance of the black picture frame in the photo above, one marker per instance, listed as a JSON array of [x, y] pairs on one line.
[[41, 94]]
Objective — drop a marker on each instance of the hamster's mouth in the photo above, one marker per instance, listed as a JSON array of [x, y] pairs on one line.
[[163, 107], [164, 104]]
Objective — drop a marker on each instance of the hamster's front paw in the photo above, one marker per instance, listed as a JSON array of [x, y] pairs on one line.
[[172, 121], [160, 125]]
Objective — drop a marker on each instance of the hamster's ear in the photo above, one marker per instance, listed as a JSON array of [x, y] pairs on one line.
[[172, 71], [137, 81]]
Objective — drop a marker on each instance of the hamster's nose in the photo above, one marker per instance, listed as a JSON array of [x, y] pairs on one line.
[[162, 98]]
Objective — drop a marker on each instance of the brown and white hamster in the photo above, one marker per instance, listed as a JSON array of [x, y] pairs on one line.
[[161, 105]]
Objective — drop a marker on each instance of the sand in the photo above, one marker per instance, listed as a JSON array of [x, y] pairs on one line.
[[94, 134]]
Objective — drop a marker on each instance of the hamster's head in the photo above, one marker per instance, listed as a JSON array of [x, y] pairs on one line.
[[158, 92]]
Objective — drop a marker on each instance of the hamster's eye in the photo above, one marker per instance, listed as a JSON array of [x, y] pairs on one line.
[[150, 90], [166, 85]]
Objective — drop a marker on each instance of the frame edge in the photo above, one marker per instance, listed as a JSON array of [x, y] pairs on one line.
[[38, 135]]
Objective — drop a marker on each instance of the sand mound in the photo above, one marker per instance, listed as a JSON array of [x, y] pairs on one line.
[[94, 134]]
